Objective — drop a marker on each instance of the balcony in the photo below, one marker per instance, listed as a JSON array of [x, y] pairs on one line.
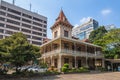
[[73, 53]]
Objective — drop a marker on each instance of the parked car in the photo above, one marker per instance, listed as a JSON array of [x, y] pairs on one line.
[[34, 68], [37, 69], [23, 68]]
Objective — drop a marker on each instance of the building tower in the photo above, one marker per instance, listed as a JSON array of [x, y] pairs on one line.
[[83, 31], [16, 19], [62, 27]]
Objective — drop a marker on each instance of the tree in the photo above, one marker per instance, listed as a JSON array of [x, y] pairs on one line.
[[112, 43], [19, 49], [97, 34]]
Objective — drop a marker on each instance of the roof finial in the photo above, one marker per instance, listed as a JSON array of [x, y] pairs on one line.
[[61, 8]]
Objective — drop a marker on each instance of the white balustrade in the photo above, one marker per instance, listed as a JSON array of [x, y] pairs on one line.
[[73, 52]]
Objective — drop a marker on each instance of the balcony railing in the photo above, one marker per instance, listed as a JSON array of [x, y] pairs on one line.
[[57, 51], [73, 52]]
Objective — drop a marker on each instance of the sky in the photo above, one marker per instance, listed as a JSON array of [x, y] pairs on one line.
[[106, 12]]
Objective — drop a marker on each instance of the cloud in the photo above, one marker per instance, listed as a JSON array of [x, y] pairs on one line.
[[85, 19], [82, 21], [76, 25], [106, 12]]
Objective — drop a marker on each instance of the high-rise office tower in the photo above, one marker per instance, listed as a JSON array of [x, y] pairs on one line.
[[83, 31], [16, 19]]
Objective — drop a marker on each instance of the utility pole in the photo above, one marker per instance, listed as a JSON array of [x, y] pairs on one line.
[[0, 2], [13, 2], [30, 6]]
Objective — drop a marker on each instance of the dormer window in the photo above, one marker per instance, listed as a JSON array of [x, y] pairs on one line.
[[55, 34], [65, 33]]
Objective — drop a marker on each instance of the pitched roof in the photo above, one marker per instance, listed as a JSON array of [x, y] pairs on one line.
[[62, 19]]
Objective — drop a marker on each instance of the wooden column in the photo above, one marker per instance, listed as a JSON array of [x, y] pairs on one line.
[[86, 56], [75, 61], [60, 45], [51, 46], [95, 58], [59, 63], [51, 61], [75, 48], [103, 63], [112, 66]]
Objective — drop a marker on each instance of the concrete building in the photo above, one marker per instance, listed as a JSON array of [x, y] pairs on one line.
[[62, 48], [109, 27], [15, 19], [83, 31]]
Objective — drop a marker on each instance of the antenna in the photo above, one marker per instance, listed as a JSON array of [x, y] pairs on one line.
[[61, 7], [0, 2], [13, 2], [30, 6]]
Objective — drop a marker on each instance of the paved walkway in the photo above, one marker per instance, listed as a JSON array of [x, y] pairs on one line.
[[89, 76], [80, 76]]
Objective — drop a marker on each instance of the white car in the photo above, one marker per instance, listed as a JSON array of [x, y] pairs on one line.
[[37, 69], [23, 68]]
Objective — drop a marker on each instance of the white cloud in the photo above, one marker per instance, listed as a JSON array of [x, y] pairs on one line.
[[85, 19], [82, 21], [76, 25], [106, 12]]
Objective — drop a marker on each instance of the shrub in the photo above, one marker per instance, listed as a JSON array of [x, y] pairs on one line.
[[83, 69], [3, 71], [64, 69], [43, 65], [66, 65]]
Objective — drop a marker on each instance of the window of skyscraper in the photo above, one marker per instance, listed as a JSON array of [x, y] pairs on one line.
[[3, 7], [13, 16], [14, 11], [2, 13], [26, 15], [1, 30], [37, 19], [2, 25], [2, 19], [12, 27], [13, 22]]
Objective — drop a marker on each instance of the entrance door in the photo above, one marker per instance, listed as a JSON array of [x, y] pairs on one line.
[[55, 63], [79, 63]]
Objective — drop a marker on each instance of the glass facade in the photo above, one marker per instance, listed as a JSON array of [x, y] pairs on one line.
[[83, 31], [81, 35]]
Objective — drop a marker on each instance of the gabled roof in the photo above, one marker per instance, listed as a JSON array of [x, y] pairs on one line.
[[61, 20]]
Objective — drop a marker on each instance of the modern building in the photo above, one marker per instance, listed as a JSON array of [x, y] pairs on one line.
[[109, 27], [63, 48], [15, 19], [83, 31]]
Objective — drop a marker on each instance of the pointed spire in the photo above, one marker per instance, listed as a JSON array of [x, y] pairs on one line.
[[61, 19], [61, 16]]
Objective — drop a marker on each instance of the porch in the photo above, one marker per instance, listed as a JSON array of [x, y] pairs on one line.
[[74, 61], [71, 48]]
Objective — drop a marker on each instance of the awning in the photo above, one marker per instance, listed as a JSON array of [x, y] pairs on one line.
[[113, 60]]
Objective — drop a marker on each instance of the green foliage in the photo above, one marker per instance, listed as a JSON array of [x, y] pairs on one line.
[[43, 65], [64, 69], [110, 41], [116, 56], [97, 34], [66, 65], [17, 50], [83, 69]]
